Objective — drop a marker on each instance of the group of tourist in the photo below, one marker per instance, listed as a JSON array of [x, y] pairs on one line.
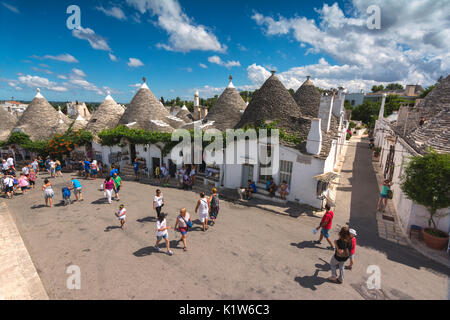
[[186, 177], [15, 181], [344, 247]]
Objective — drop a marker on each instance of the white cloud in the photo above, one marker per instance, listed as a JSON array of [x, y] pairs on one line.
[[86, 85], [35, 81], [61, 76], [11, 8], [78, 72], [97, 42], [204, 66], [114, 12], [228, 64], [62, 57], [14, 85], [42, 70], [184, 34], [133, 62], [112, 57], [411, 46]]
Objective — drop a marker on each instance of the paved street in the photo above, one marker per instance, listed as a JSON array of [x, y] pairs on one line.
[[249, 254]]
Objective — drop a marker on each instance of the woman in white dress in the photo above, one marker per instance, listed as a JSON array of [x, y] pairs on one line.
[[203, 208]]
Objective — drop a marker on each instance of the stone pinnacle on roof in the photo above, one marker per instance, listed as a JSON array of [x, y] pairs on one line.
[[308, 99], [230, 85], [227, 110], [38, 94]]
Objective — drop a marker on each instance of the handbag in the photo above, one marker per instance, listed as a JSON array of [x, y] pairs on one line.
[[390, 194], [188, 223]]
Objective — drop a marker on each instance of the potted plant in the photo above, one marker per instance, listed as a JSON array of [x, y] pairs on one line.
[[427, 181], [376, 151]]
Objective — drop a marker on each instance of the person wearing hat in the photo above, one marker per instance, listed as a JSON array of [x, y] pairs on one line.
[[122, 215], [352, 250], [162, 233]]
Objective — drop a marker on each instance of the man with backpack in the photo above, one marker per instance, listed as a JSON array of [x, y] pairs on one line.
[[213, 206]]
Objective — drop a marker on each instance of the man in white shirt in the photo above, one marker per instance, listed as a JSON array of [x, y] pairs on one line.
[[26, 170], [5, 166]]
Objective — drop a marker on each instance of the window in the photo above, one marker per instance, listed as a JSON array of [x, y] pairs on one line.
[[353, 102], [262, 178], [286, 171]]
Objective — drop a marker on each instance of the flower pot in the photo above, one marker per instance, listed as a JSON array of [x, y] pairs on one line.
[[433, 241]]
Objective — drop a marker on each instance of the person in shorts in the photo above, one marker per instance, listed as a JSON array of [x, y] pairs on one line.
[[122, 215], [76, 187], [325, 224], [384, 195], [94, 169], [117, 184], [8, 181], [203, 209], [158, 202], [87, 168], [182, 225], [162, 233]]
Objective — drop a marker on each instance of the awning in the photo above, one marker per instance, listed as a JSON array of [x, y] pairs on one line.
[[326, 177]]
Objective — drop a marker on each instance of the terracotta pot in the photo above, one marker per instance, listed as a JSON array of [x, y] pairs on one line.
[[434, 242]]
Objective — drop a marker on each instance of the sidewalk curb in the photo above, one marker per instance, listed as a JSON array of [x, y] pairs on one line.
[[19, 279]]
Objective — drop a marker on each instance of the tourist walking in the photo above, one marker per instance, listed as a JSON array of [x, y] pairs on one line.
[[10, 162], [325, 224], [353, 249], [213, 206], [94, 169], [58, 168], [35, 166], [8, 182], [26, 169], [183, 224], [87, 168], [5, 167], [162, 233], [52, 165], [203, 209], [164, 175], [117, 184], [181, 174], [384, 195], [342, 253], [108, 186], [32, 178], [122, 215], [48, 193], [23, 183], [76, 187], [158, 202]]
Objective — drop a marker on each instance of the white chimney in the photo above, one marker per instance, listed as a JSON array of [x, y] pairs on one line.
[[325, 109], [314, 142], [338, 103], [381, 113], [196, 99]]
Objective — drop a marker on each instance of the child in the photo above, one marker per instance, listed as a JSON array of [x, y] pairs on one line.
[[32, 178], [352, 250], [66, 195], [122, 215], [162, 233]]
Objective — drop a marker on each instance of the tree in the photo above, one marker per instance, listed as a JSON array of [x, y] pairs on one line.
[[377, 88], [426, 181], [394, 86], [367, 112], [291, 91], [427, 91], [393, 103], [347, 105]]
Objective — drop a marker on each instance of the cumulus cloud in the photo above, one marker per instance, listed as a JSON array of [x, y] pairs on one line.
[[42, 70], [78, 73], [134, 63], [217, 60], [86, 85], [97, 42], [114, 12], [184, 34], [410, 47], [38, 82], [112, 57]]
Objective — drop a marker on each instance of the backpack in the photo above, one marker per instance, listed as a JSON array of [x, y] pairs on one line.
[[66, 192]]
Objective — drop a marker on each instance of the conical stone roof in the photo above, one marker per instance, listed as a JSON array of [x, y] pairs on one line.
[[143, 109], [40, 120], [308, 99], [185, 115], [106, 116], [7, 122], [272, 102], [228, 109]]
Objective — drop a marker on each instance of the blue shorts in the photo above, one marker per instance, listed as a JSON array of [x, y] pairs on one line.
[[325, 232], [384, 196], [87, 170], [159, 238]]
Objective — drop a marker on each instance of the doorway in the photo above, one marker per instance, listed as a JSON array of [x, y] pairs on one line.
[[247, 174], [132, 152]]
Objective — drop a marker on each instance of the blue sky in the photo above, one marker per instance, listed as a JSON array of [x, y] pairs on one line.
[[181, 46]]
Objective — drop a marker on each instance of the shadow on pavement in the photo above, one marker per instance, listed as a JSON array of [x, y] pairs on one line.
[[307, 244], [312, 282], [102, 200], [38, 206], [364, 196], [108, 229], [147, 219], [147, 251]]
